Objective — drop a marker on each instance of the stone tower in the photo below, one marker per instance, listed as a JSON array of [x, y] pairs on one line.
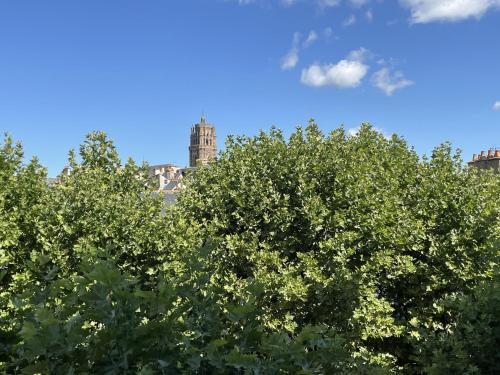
[[202, 146]]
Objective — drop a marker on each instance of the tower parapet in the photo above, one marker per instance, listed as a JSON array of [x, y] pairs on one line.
[[487, 160]]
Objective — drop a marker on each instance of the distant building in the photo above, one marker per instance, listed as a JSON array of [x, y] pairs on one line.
[[202, 146], [487, 160], [202, 149], [51, 181], [167, 177], [66, 171], [169, 170]]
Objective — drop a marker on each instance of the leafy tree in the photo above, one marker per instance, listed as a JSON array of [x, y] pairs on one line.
[[314, 254], [352, 232], [470, 343], [23, 194], [103, 210]]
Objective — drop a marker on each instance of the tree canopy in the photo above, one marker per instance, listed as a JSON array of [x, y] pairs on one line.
[[313, 254]]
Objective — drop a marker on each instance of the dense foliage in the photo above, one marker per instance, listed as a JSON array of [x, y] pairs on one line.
[[317, 254]]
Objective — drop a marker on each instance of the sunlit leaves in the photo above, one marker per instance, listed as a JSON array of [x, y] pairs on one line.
[[313, 254]]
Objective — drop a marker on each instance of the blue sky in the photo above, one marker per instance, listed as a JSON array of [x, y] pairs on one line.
[[144, 71]]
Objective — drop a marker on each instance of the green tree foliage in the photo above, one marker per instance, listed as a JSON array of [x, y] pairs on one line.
[[351, 232], [317, 254], [23, 196], [470, 344]]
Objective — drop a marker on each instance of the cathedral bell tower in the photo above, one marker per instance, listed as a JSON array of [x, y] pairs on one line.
[[202, 146]]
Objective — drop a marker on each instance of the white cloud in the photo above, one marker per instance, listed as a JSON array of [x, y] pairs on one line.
[[328, 3], [496, 106], [351, 20], [328, 32], [424, 11], [369, 15], [296, 38], [311, 38], [361, 54], [291, 59], [349, 73], [344, 74], [359, 3], [389, 81], [285, 3]]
